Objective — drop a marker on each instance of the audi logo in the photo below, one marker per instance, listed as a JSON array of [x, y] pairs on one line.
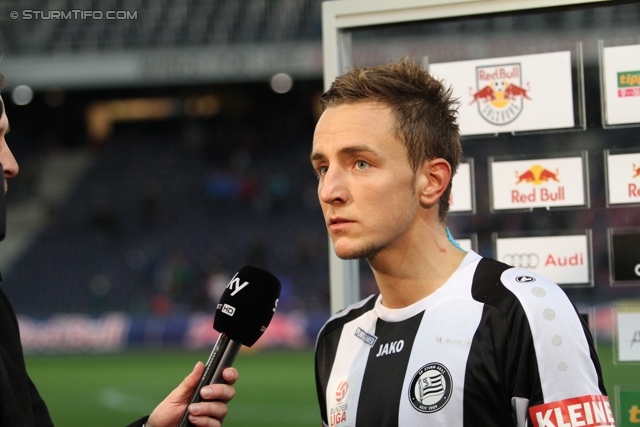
[[522, 260]]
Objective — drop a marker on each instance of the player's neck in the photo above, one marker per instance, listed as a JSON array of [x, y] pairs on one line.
[[410, 273]]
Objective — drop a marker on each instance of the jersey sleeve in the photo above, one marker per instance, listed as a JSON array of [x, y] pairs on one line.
[[552, 367]]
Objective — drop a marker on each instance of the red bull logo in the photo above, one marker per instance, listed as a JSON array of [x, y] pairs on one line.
[[499, 93], [538, 175], [634, 189]]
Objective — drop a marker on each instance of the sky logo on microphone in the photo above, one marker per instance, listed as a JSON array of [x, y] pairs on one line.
[[235, 283], [227, 309]]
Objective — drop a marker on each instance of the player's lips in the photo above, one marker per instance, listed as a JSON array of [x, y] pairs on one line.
[[337, 223]]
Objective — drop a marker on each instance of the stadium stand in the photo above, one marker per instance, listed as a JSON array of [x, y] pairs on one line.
[[147, 221], [151, 220], [160, 23]]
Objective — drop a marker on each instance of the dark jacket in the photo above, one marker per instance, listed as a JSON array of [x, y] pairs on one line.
[[20, 402]]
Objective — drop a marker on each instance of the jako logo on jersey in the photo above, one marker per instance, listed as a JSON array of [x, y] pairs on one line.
[[430, 388], [585, 411], [525, 279], [235, 283], [390, 348], [367, 338], [341, 391]]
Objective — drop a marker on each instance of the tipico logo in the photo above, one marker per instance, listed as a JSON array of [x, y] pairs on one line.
[[628, 83], [499, 93]]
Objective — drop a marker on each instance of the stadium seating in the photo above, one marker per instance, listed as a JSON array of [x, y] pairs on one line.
[[159, 23], [142, 228]]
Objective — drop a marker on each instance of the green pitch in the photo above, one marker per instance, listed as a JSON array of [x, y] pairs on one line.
[[274, 389]]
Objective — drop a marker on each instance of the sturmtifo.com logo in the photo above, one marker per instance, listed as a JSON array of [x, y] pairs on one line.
[[430, 388], [499, 93]]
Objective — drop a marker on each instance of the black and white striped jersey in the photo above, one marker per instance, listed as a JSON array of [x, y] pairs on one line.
[[494, 346]]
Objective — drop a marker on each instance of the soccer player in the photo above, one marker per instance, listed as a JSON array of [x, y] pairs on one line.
[[20, 402], [453, 339]]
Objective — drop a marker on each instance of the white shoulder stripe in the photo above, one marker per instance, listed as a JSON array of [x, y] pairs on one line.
[[348, 309], [344, 312], [562, 351]]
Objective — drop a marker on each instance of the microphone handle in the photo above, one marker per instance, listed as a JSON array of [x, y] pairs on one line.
[[222, 356]]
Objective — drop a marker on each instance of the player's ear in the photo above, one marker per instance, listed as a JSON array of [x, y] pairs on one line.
[[433, 179]]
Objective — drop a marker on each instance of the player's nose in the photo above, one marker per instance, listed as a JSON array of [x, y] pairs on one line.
[[332, 187], [9, 163]]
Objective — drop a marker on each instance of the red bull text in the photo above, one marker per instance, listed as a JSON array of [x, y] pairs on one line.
[[538, 175]]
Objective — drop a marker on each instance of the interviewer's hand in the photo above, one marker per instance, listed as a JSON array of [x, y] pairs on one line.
[[210, 412]]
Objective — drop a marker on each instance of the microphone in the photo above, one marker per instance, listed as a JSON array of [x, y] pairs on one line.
[[244, 311]]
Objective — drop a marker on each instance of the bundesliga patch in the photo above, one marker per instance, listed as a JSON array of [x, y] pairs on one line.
[[338, 413], [430, 388], [585, 411]]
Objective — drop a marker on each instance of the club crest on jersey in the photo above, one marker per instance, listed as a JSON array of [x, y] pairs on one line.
[[430, 388], [525, 279], [367, 338]]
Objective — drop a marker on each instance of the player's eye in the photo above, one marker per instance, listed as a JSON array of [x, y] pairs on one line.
[[320, 171], [361, 165]]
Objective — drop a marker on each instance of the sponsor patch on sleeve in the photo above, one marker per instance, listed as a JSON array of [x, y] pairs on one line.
[[585, 411]]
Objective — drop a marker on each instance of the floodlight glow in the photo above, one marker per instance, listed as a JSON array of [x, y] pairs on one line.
[[22, 95], [281, 83]]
